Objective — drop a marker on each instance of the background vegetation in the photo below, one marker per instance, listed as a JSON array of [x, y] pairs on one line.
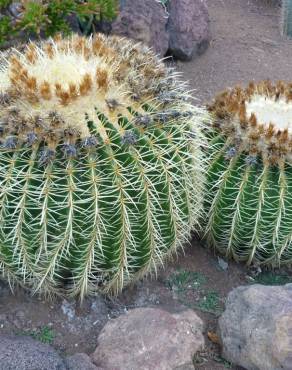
[[46, 18]]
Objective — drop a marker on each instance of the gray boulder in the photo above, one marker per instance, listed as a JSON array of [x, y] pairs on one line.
[[145, 21], [16, 10], [149, 338], [25, 353], [256, 327], [188, 27]]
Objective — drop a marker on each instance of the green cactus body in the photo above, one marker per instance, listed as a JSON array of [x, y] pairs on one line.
[[287, 17], [249, 179], [101, 170]]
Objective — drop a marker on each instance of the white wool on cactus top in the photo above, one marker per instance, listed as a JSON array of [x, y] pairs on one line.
[[268, 110], [79, 76]]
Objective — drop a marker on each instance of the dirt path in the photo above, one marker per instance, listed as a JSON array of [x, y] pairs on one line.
[[246, 44]]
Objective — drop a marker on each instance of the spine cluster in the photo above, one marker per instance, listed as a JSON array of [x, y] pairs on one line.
[[244, 131]]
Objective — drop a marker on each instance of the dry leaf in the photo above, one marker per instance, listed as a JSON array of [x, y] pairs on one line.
[[213, 337]]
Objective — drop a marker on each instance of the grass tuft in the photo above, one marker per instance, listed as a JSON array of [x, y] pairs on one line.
[[190, 288], [272, 278], [45, 334]]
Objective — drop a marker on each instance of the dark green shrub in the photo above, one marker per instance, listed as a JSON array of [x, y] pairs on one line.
[[46, 18]]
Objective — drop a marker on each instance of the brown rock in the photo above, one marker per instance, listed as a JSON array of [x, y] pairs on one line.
[[145, 21], [188, 28], [147, 339], [256, 327]]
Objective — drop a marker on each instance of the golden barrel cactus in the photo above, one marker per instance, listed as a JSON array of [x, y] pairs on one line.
[[249, 179], [100, 164]]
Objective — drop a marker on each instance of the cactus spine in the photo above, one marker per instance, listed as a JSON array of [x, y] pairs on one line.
[[249, 180], [287, 17], [100, 164]]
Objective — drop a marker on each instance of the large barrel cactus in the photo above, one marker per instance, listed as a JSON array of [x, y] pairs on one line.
[[100, 164], [249, 180]]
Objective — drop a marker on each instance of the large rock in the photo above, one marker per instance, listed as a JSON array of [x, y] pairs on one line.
[[149, 338], [188, 28], [25, 353], [256, 327], [145, 21]]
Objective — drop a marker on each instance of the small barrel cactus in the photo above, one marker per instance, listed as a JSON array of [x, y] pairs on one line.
[[287, 18], [249, 180], [100, 164]]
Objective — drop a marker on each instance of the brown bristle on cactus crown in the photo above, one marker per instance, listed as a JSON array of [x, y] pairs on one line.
[[74, 77], [257, 119]]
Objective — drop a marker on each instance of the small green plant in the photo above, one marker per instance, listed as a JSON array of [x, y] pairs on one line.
[[6, 30], [163, 2], [185, 280], [190, 286], [45, 334], [50, 17], [221, 360], [206, 355], [4, 3], [199, 358], [210, 302], [272, 278]]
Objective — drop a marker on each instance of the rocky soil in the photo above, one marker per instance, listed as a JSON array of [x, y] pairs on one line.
[[196, 280], [246, 45]]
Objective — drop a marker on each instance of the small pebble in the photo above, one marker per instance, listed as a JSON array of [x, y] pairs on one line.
[[16, 10], [222, 264]]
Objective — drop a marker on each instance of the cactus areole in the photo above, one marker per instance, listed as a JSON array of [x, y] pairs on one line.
[[100, 164], [249, 200]]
